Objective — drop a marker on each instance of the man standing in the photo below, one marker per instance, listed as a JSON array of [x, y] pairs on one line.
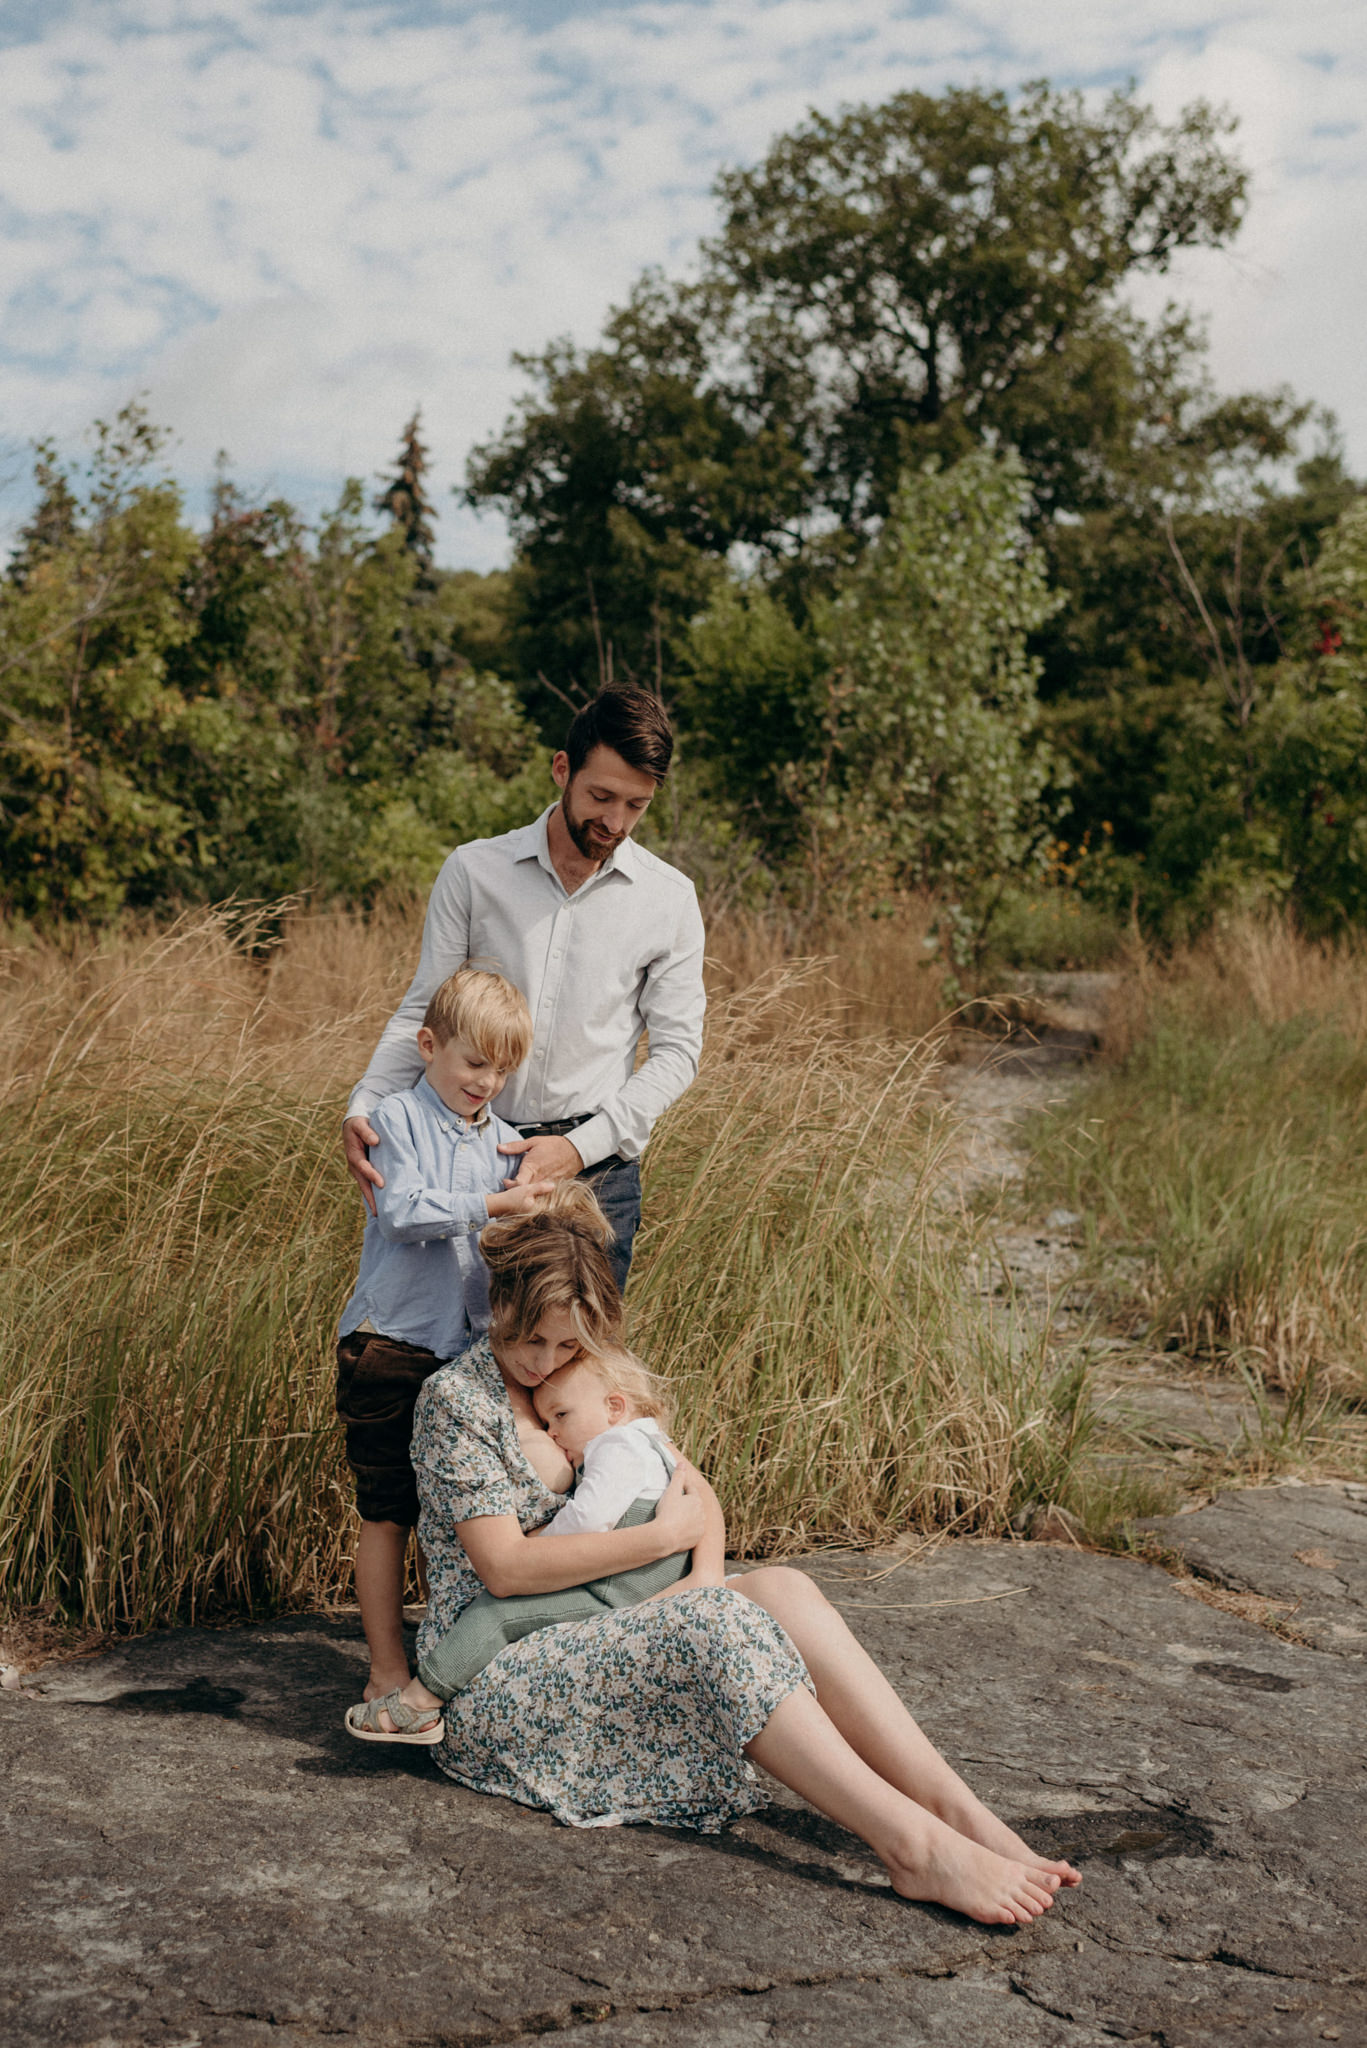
[[606, 943]]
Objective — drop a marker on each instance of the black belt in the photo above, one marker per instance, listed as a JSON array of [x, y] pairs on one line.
[[561, 1129]]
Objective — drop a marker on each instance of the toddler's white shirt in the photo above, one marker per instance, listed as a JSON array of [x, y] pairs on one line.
[[625, 1463]]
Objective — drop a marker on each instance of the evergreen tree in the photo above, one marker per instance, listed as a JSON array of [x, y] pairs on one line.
[[405, 499]]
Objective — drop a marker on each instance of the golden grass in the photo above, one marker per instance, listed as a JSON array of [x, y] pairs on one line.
[[1226, 1144], [180, 1236], [876, 977]]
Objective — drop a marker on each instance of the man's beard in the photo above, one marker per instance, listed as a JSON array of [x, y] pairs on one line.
[[578, 830]]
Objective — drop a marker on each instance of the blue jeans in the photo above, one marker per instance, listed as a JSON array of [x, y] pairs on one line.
[[617, 1184]]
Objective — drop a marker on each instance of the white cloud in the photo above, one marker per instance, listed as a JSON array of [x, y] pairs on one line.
[[293, 225]]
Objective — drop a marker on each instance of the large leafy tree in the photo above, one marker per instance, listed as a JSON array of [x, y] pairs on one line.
[[901, 723], [899, 281], [914, 275], [933, 715], [627, 475]]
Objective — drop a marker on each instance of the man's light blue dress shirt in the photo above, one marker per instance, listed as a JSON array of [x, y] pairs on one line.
[[422, 1279]]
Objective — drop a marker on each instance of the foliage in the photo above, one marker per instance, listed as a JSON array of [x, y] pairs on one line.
[[626, 479], [254, 709], [931, 709], [1132, 645], [1049, 924], [907, 347], [905, 280], [890, 744], [916, 275], [88, 617], [1264, 793], [405, 499], [749, 690]]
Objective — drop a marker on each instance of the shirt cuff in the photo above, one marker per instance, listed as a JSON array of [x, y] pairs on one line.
[[594, 1140], [363, 1102]]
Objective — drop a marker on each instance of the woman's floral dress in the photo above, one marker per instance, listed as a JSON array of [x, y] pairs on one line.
[[640, 1715]]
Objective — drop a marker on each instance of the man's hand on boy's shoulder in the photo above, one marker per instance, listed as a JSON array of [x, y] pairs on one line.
[[358, 1133]]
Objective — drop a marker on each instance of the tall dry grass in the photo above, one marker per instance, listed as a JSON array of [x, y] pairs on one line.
[[1224, 1144], [180, 1236], [874, 977], [799, 1283]]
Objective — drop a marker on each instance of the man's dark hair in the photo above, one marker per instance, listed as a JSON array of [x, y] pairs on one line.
[[631, 722]]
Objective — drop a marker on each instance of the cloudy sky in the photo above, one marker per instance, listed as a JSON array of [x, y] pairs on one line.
[[290, 221]]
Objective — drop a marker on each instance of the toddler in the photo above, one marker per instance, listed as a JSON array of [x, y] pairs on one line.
[[604, 1413], [422, 1291]]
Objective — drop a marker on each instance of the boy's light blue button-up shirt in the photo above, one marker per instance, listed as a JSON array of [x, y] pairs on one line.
[[422, 1279]]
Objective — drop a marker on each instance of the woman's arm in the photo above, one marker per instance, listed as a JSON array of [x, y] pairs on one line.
[[509, 1562], [709, 1552]]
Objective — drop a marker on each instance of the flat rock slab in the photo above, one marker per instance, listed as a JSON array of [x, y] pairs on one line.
[[196, 1854], [1304, 1547], [1180, 1415]]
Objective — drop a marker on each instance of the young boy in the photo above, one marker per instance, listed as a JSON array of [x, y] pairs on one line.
[[605, 1414], [422, 1292]]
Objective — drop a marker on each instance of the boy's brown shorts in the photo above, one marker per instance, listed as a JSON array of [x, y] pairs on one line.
[[378, 1379]]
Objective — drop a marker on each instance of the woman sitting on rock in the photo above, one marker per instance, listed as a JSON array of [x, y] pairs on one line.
[[649, 1713]]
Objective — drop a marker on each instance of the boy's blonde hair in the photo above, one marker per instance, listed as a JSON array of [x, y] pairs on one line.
[[619, 1371], [554, 1258], [484, 1011]]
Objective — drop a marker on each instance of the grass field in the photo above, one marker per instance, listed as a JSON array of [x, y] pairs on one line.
[[1223, 1147], [180, 1237]]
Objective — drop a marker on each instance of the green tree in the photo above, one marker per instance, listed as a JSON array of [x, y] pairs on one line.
[[89, 614], [892, 741], [933, 771], [626, 476], [1264, 790], [915, 275], [1133, 646], [905, 280], [748, 689], [256, 710], [405, 499]]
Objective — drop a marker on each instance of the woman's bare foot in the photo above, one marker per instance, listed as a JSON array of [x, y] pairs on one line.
[[981, 1825], [941, 1865]]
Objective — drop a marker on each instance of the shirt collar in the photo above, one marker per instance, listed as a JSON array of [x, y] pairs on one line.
[[450, 1119], [532, 842]]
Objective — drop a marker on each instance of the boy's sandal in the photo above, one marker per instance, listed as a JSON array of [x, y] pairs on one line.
[[363, 1721]]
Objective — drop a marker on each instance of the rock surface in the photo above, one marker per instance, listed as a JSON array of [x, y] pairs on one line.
[[196, 1853], [1303, 1547]]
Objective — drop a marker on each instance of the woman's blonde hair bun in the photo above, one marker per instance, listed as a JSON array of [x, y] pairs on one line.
[[553, 1258]]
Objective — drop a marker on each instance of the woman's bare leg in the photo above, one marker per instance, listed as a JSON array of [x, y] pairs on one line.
[[873, 1720], [925, 1858]]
